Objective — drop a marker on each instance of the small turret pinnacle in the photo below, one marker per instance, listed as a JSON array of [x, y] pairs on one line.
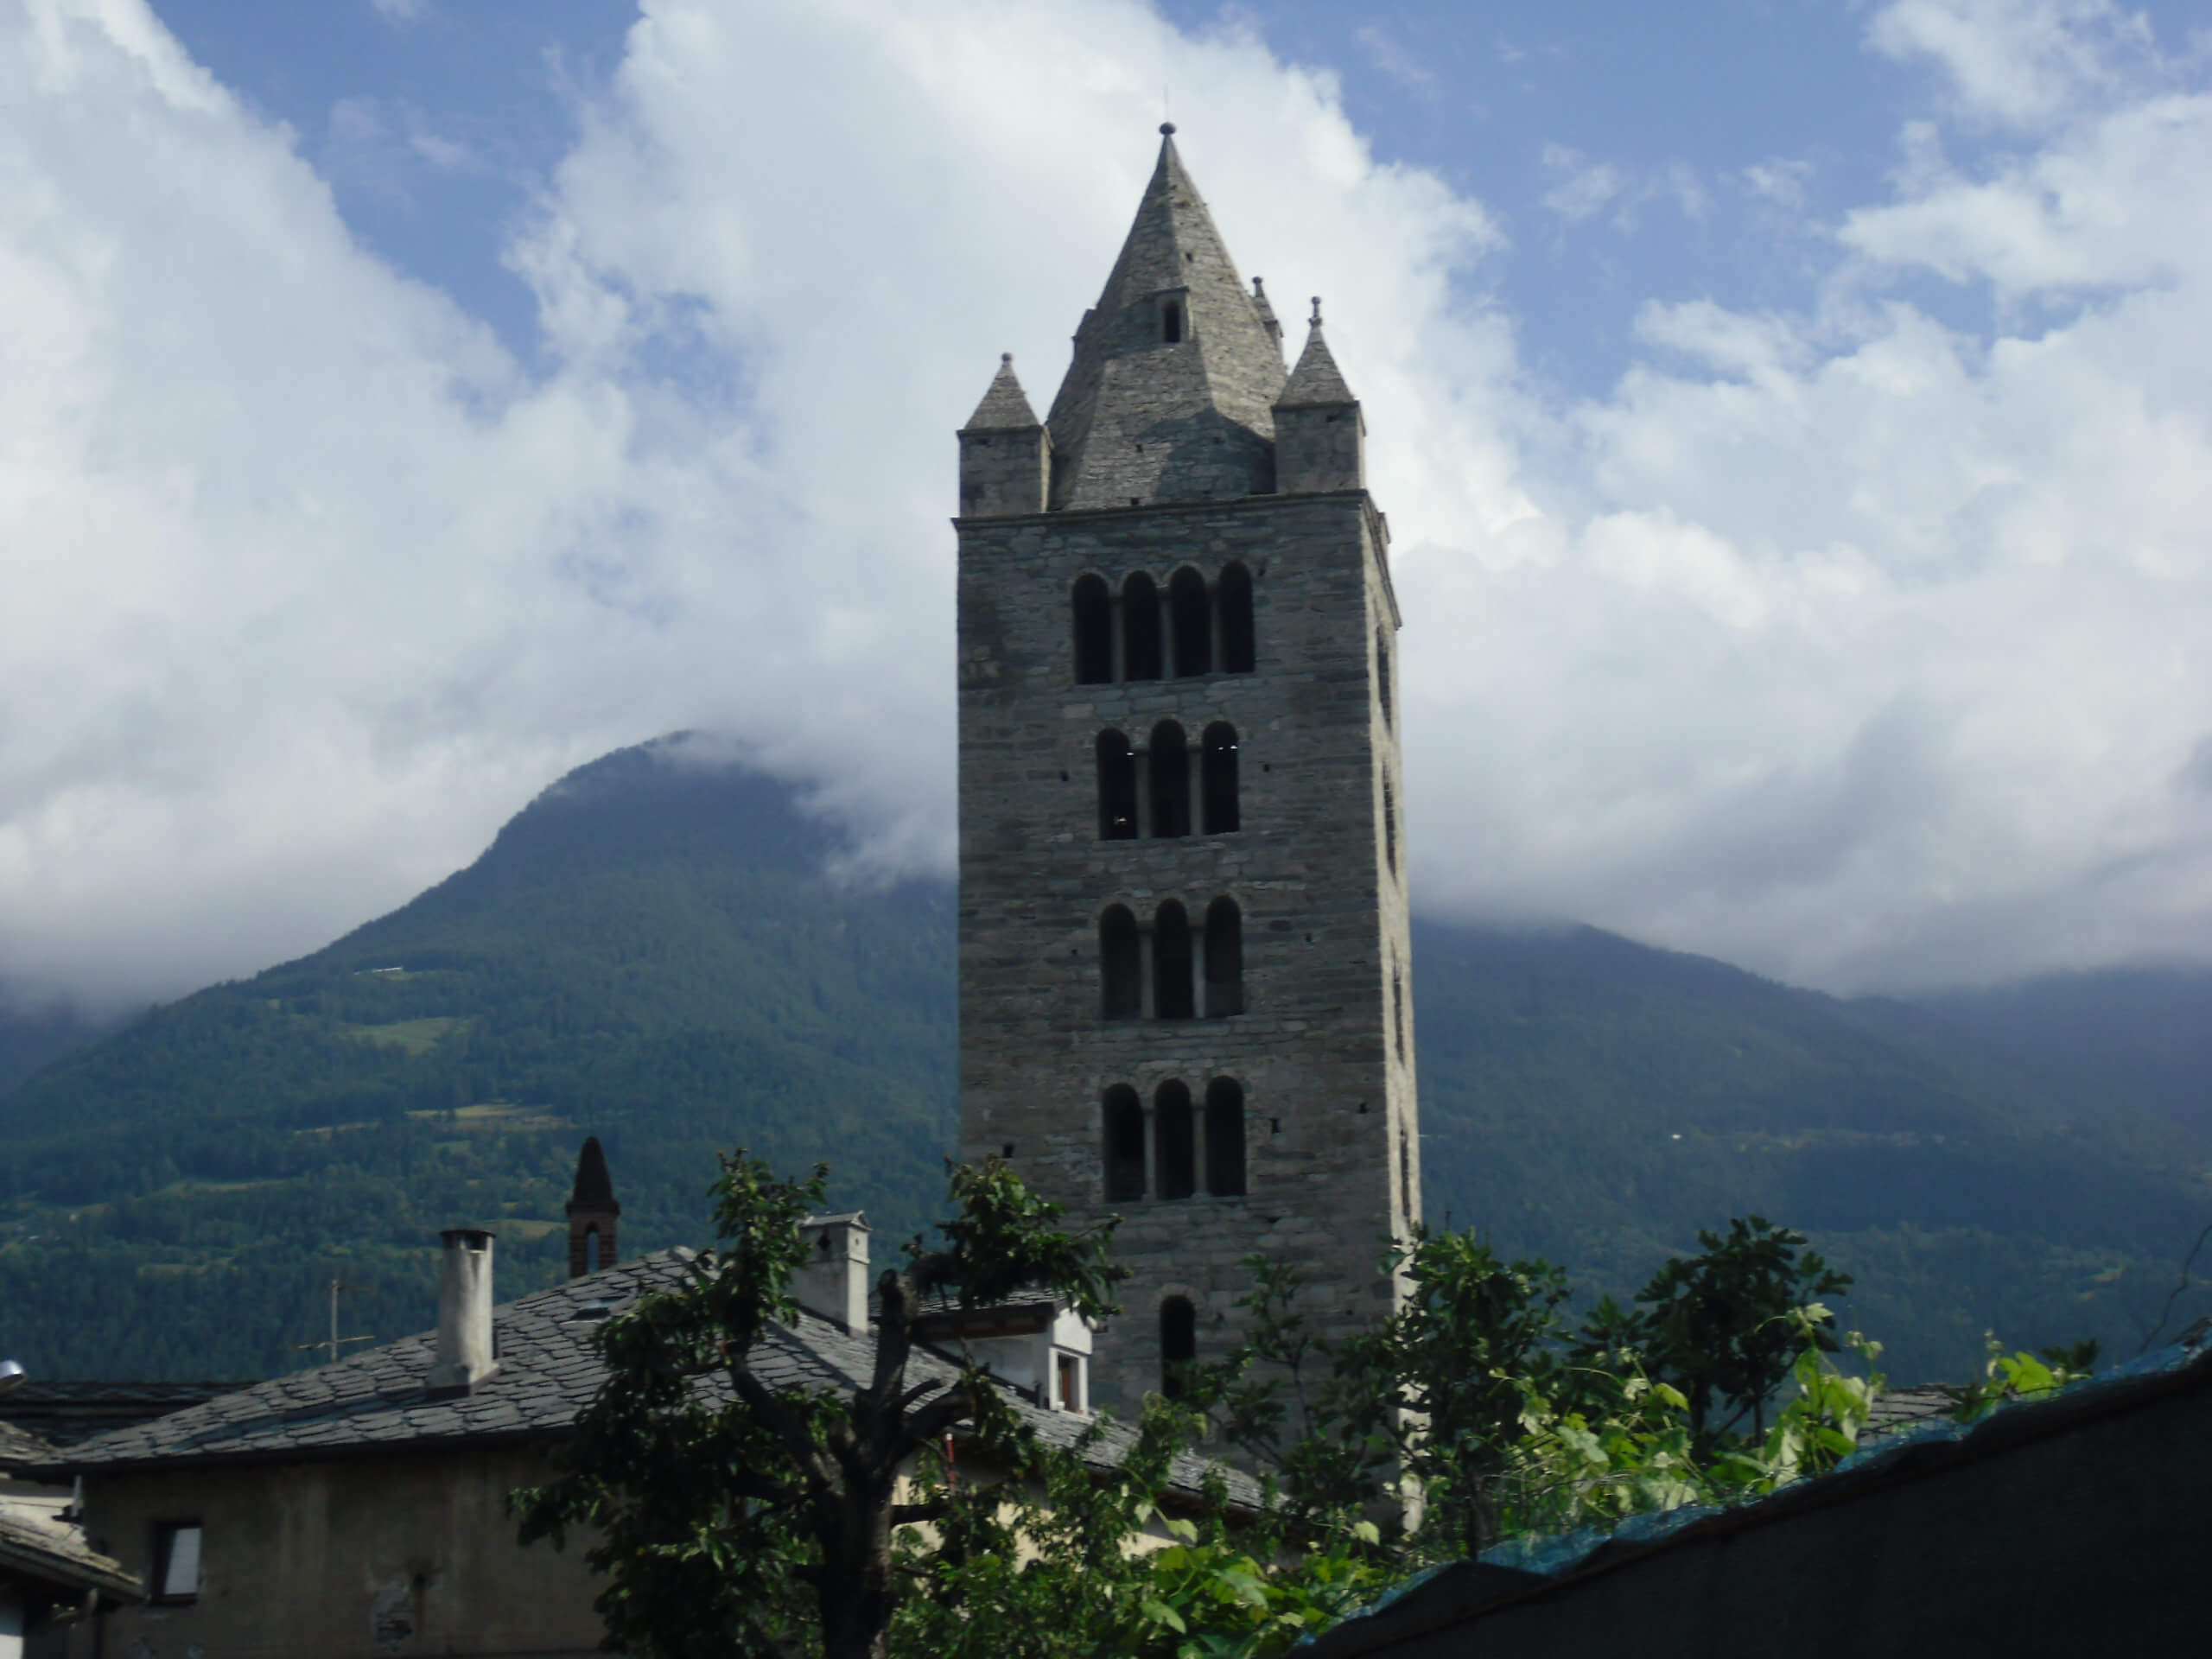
[[1004, 406], [1316, 381]]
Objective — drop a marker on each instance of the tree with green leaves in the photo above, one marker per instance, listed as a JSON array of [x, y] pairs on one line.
[[1718, 1325], [734, 1515]]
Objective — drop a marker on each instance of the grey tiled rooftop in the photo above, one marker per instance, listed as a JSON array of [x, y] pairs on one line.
[[548, 1373]]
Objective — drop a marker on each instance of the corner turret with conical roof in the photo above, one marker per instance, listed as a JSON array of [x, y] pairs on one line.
[[1320, 438], [1005, 456], [1171, 393]]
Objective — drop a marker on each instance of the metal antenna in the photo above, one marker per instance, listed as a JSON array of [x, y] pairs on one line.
[[333, 1342]]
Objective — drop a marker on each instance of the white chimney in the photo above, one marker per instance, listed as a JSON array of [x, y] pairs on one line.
[[832, 1280], [464, 1356]]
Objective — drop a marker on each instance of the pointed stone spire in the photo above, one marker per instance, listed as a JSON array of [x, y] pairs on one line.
[[1005, 407], [592, 1212], [1175, 374], [1267, 312], [1317, 380]]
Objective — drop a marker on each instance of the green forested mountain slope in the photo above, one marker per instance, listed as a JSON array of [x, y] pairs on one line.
[[650, 952]]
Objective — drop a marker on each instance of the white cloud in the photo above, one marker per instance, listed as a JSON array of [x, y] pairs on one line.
[[402, 12], [2018, 62], [1586, 187], [1845, 645]]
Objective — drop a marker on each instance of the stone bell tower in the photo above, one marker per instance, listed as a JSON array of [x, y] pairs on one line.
[[1185, 978]]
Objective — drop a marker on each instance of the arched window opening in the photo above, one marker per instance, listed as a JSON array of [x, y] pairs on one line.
[[1383, 672], [593, 1260], [1124, 1125], [1178, 1344], [1118, 788], [1140, 628], [1226, 1138], [1191, 613], [1170, 322], [1389, 828], [1233, 594], [1225, 959], [1171, 962], [1094, 631], [1170, 780], [1217, 779], [1173, 1135], [1121, 968]]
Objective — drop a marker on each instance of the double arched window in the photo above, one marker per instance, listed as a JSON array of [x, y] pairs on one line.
[[1171, 990], [1159, 794], [1143, 634], [1181, 1147]]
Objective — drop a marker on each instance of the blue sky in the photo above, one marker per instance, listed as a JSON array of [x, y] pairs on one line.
[[1796, 421]]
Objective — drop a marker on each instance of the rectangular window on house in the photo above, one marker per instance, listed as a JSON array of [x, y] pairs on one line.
[[176, 1561]]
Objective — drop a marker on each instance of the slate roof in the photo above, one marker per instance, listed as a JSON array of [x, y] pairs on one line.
[[1005, 407], [59, 1560], [548, 1372], [19, 1447], [65, 1412], [1141, 418], [1317, 381]]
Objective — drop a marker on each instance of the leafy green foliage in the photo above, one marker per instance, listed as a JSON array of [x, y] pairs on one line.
[[736, 1516]]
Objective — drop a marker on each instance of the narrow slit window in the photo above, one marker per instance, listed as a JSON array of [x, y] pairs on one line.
[[1239, 652], [1121, 966], [1140, 643], [1124, 1135], [1191, 613], [1094, 631], [1382, 673], [1398, 1006], [1170, 760], [1178, 1344], [1218, 780], [1170, 322], [1171, 962], [1225, 959], [1118, 788], [1389, 828], [1173, 1137], [1226, 1138]]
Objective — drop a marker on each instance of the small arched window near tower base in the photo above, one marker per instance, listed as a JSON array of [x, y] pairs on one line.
[[1094, 631], [1173, 1137], [1233, 595], [1121, 967], [1170, 761], [1171, 962], [1140, 628], [593, 1260], [1178, 1345], [1118, 788], [1217, 779], [1191, 613], [1124, 1136], [1226, 1138], [1225, 959]]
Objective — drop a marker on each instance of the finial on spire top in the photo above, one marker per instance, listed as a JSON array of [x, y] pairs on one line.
[[1006, 358], [1316, 318], [1259, 287], [1168, 129]]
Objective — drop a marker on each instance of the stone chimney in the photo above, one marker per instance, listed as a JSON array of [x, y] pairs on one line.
[[592, 1212], [833, 1281], [464, 1353]]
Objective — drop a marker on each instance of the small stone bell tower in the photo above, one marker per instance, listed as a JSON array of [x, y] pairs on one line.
[[593, 1213], [1185, 978]]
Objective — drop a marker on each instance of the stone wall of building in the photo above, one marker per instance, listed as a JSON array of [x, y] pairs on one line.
[[1322, 1050]]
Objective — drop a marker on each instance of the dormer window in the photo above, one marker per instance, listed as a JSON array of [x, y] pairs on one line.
[[1171, 322]]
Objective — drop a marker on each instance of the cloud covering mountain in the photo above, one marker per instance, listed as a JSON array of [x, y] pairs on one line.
[[1864, 643]]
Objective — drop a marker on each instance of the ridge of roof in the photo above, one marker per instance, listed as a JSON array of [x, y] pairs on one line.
[[1317, 381], [1004, 406], [56, 1556], [1142, 416]]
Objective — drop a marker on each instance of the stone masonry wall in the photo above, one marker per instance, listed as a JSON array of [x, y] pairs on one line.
[[1323, 1049]]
